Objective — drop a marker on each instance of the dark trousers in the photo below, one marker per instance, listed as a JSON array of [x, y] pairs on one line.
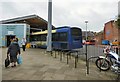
[[23, 46]]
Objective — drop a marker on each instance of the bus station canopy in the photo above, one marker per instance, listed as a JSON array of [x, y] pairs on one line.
[[34, 21]]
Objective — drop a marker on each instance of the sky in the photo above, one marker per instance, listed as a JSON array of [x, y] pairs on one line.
[[64, 12]]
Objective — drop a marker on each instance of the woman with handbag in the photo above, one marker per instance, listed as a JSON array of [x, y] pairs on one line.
[[13, 51]]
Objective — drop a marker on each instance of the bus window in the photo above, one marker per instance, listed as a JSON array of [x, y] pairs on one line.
[[62, 36], [76, 38], [55, 37], [43, 37], [76, 34], [33, 38]]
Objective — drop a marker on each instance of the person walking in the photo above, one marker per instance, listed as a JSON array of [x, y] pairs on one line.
[[13, 51], [23, 44]]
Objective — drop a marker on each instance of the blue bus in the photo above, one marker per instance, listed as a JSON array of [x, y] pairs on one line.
[[62, 38]]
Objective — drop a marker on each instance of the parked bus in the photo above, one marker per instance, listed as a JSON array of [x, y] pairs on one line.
[[62, 38]]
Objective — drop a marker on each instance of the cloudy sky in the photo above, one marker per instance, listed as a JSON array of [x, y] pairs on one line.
[[65, 12]]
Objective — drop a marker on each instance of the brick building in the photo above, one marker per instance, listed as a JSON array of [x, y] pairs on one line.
[[110, 31]]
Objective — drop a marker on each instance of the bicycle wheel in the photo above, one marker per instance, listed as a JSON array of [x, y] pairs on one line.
[[103, 64]]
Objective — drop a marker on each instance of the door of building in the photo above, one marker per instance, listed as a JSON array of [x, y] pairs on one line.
[[8, 39]]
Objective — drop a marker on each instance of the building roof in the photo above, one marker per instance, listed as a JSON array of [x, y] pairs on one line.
[[33, 20], [109, 22]]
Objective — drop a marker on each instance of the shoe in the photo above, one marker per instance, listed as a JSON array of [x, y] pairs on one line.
[[12, 66], [15, 65]]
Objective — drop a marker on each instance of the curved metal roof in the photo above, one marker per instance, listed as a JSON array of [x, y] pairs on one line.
[[33, 20]]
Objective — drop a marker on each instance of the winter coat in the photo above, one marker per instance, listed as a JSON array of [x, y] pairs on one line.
[[13, 49]]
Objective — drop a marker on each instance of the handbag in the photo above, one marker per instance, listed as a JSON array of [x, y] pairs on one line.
[[7, 62], [19, 60]]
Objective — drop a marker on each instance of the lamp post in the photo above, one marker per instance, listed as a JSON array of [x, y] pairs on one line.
[[86, 40]]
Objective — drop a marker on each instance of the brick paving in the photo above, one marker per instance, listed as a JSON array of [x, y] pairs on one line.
[[39, 65]]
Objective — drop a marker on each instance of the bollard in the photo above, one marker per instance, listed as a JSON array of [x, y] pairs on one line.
[[67, 58], [55, 53], [75, 61], [87, 66], [61, 55]]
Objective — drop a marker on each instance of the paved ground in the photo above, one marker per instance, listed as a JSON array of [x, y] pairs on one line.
[[39, 65]]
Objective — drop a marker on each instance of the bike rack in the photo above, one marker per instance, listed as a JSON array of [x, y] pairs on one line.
[[76, 56], [118, 78], [67, 52], [88, 62], [56, 51]]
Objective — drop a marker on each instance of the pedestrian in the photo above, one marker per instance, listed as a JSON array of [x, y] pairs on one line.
[[13, 51], [23, 44], [16, 39]]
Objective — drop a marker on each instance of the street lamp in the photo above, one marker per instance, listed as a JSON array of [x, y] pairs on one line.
[[86, 43]]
